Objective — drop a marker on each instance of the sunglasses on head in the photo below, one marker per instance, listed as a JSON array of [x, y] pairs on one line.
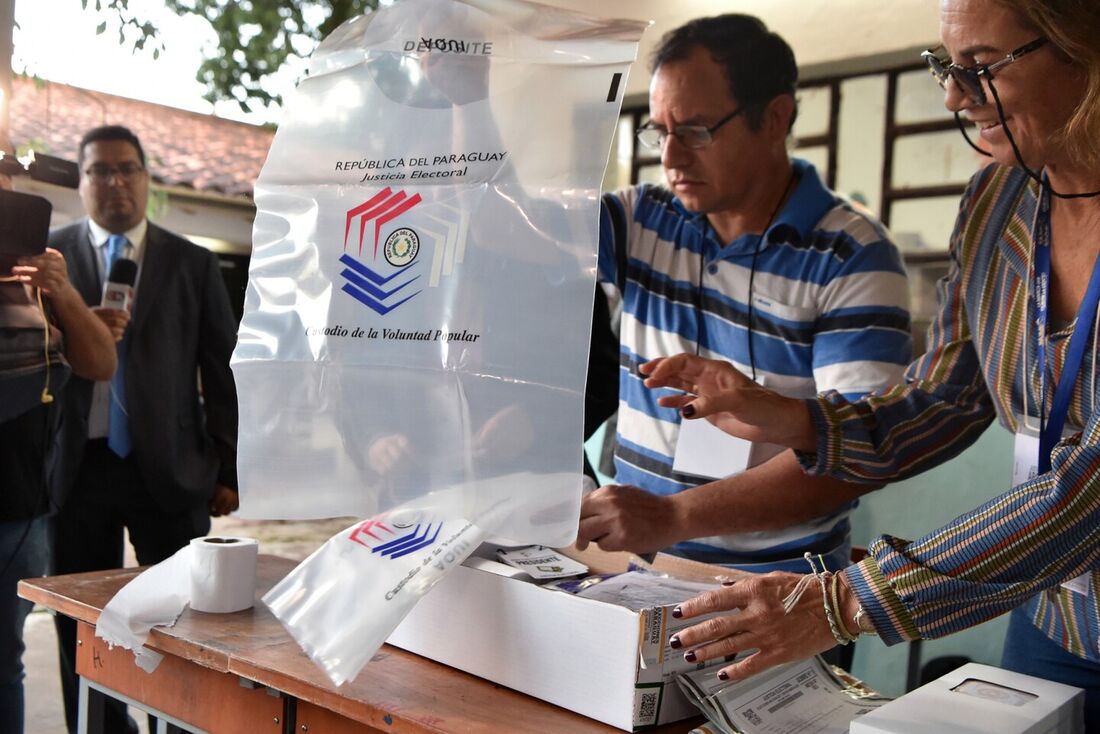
[[969, 78]]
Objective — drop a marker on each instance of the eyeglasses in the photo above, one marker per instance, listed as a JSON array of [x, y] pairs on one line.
[[969, 78], [692, 136], [101, 173]]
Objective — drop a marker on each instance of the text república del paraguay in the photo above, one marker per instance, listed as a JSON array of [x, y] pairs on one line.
[[419, 167]]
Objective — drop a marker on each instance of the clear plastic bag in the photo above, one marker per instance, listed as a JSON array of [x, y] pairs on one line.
[[342, 602], [417, 319], [424, 254]]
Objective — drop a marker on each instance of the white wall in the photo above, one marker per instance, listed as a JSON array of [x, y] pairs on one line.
[[222, 225], [838, 36]]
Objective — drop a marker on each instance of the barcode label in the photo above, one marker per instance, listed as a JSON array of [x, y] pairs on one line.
[[647, 705]]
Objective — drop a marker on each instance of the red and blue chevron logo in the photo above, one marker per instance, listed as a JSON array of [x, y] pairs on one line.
[[371, 288], [383, 207], [380, 291], [392, 543]]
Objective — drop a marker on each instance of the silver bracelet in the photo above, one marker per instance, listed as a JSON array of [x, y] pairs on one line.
[[834, 596], [861, 616]]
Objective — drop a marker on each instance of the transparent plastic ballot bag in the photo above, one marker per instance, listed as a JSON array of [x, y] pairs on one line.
[[342, 602], [416, 325], [419, 300]]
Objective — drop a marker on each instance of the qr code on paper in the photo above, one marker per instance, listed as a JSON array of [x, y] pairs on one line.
[[752, 717], [645, 710]]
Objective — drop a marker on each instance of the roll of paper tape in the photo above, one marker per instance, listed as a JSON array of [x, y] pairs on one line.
[[223, 574]]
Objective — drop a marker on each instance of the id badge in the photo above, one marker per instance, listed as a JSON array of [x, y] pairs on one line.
[[1025, 463], [710, 453], [704, 450], [1026, 466]]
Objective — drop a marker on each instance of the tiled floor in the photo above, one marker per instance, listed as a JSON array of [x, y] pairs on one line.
[[42, 686]]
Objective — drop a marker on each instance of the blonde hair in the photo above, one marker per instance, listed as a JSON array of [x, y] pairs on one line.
[[1072, 27]]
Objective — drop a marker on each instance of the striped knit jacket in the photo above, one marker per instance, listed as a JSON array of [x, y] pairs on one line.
[[1021, 546]]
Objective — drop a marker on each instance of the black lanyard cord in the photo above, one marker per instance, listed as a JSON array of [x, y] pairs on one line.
[[699, 320], [1034, 175]]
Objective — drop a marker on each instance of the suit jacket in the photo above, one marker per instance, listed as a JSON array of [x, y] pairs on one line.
[[182, 328]]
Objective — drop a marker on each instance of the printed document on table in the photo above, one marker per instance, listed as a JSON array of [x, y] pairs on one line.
[[798, 698]]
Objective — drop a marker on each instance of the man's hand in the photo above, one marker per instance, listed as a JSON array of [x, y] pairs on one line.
[[716, 391], [505, 434], [224, 501], [620, 517], [390, 454], [116, 320]]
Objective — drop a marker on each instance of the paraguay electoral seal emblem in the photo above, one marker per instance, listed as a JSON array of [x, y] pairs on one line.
[[401, 247]]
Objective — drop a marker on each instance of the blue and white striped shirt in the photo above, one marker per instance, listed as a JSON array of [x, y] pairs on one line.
[[829, 313]]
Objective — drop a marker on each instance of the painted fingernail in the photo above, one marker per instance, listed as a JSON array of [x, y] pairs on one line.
[[723, 675], [690, 656], [674, 642], [688, 410], [677, 612]]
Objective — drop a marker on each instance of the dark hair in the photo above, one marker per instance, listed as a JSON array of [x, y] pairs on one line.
[[109, 132], [759, 65]]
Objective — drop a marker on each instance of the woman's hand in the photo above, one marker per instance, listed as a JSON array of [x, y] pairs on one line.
[[48, 272], [760, 624], [731, 401]]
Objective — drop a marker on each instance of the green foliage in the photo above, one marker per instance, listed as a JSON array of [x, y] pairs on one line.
[[142, 33], [157, 204], [255, 38]]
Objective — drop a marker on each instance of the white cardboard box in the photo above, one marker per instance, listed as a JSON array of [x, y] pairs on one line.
[[980, 699], [600, 660]]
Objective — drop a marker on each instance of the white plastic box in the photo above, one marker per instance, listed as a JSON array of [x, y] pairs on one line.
[[597, 659], [981, 699]]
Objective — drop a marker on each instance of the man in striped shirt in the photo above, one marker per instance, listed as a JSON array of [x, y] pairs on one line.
[[748, 257]]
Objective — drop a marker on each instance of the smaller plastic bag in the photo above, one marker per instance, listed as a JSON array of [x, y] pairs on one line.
[[342, 602]]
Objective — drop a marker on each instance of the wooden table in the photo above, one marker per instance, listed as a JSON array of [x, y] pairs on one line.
[[242, 672]]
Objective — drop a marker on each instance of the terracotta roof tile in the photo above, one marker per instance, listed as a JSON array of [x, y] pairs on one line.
[[182, 148]]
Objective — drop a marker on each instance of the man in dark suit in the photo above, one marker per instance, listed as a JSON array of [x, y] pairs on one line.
[[153, 450]]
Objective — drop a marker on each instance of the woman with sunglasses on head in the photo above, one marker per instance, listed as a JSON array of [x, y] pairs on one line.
[[1015, 340]]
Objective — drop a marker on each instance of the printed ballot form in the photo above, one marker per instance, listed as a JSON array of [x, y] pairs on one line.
[[805, 697]]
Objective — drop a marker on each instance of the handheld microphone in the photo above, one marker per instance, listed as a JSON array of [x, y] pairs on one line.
[[118, 291]]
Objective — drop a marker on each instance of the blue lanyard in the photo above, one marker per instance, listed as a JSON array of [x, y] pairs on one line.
[[1051, 426]]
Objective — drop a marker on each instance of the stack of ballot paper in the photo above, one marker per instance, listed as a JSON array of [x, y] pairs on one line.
[[806, 697]]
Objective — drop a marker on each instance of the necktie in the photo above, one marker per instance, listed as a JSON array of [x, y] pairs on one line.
[[118, 425]]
